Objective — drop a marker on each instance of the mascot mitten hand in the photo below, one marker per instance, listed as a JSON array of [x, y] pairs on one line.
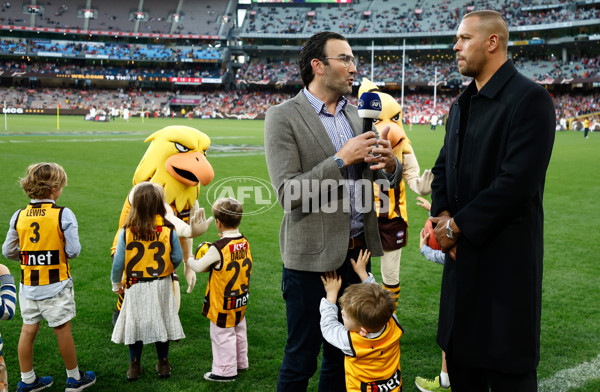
[[424, 183], [190, 277], [199, 223]]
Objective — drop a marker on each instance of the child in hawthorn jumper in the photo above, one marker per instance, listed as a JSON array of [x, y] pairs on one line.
[[230, 264], [44, 237], [148, 250], [370, 334]]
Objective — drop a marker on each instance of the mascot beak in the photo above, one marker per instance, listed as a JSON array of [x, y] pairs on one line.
[[396, 136], [190, 168]]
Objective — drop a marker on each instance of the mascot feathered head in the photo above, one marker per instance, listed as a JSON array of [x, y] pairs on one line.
[[391, 114], [176, 160]]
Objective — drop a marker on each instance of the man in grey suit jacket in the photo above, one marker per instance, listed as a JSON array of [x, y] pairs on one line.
[[322, 167]]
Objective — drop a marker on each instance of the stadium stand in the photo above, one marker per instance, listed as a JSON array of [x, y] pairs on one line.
[[110, 17], [147, 52], [139, 16], [411, 17], [224, 58], [156, 17], [421, 70], [12, 14], [63, 70], [59, 15], [203, 17]]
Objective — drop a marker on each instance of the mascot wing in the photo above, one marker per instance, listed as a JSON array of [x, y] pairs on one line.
[[420, 185]]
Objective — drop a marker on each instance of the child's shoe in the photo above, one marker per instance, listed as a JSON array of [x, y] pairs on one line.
[[85, 380], [39, 384], [163, 368], [133, 373], [213, 377], [426, 385]]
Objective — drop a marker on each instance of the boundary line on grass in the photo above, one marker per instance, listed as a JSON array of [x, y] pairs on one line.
[[216, 150], [574, 377], [73, 140]]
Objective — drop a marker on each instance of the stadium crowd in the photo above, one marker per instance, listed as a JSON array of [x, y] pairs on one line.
[[40, 98], [194, 17], [376, 16], [422, 69], [245, 101], [71, 68], [109, 50], [569, 106], [241, 104]]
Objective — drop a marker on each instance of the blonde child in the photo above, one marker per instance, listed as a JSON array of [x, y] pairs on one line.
[[44, 237], [230, 264], [148, 250], [370, 334]]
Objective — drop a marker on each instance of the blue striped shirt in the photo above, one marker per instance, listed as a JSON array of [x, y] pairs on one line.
[[339, 130], [8, 297], [8, 300]]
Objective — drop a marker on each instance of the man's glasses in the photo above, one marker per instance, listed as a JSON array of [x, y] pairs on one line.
[[346, 59]]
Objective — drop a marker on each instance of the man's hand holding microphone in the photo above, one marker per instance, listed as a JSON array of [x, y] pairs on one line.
[[366, 147]]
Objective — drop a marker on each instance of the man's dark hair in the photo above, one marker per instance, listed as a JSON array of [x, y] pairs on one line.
[[314, 48]]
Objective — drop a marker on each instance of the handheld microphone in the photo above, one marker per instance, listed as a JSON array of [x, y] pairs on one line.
[[369, 109]]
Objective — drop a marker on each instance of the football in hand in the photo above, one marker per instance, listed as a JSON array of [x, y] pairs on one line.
[[431, 241], [201, 250]]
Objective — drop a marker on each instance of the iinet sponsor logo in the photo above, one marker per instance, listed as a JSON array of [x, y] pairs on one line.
[[383, 385], [328, 196]]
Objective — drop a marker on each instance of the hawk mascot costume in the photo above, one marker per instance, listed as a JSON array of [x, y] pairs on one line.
[[175, 160]]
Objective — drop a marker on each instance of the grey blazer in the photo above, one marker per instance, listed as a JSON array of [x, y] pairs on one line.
[[316, 228]]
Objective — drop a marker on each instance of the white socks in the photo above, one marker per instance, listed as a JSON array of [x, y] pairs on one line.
[[444, 380], [28, 377], [74, 373]]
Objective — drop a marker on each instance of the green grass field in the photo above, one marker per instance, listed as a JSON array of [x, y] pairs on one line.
[[100, 159]]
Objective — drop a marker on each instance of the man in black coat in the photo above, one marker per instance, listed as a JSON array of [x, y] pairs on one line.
[[487, 202]]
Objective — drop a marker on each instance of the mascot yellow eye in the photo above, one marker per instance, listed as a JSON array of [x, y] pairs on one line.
[[396, 118], [181, 148]]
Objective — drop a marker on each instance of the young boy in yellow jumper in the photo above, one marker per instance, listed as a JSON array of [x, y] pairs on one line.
[[44, 237], [370, 334]]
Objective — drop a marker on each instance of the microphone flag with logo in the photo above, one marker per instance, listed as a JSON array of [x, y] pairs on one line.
[[369, 109]]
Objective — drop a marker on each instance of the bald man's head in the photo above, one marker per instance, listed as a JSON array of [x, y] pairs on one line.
[[492, 22]]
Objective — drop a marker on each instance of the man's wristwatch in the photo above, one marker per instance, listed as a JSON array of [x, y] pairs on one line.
[[449, 232], [339, 162]]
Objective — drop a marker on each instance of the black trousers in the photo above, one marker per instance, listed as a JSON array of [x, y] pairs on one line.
[[472, 379], [303, 292]]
